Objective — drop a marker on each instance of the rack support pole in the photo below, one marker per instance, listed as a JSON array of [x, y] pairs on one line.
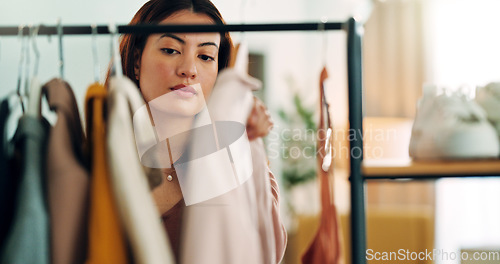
[[355, 93]]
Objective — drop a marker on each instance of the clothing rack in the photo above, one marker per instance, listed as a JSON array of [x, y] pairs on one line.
[[355, 90], [149, 29]]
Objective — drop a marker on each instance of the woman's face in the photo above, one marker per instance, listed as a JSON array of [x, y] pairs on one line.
[[177, 64]]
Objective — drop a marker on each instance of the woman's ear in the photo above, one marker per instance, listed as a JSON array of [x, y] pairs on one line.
[[137, 64]]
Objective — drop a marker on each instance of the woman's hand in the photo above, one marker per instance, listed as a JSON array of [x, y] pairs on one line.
[[259, 122]]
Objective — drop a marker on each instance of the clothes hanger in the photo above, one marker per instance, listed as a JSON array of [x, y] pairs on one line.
[[15, 93], [27, 63], [34, 35], [14, 98], [94, 53], [240, 54], [239, 58], [21, 66], [61, 54], [116, 69], [327, 160], [232, 59], [34, 102]]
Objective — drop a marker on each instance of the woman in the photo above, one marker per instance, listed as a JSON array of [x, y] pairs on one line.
[[182, 66]]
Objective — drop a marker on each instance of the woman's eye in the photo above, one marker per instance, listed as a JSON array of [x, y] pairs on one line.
[[206, 58], [170, 51]]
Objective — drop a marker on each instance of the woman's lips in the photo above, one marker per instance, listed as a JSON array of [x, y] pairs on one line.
[[183, 90]]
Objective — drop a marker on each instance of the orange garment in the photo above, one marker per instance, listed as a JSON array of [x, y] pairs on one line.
[[106, 238], [325, 247]]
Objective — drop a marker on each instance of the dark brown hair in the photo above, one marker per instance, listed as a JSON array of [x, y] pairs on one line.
[[153, 12]]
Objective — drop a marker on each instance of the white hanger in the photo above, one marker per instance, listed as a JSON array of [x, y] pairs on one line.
[[94, 53], [61, 57], [115, 52], [27, 63], [21, 66], [324, 48], [34, 100], [34, 35], [239, 59]]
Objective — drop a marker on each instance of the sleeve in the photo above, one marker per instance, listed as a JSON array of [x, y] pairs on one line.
[[279, 229]]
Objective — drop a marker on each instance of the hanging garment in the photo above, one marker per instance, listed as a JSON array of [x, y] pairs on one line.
[[241, 225], [106, 238], [67, 177], [6, 188], [9, 169], [229, 212], [129, 182], [280, 235], [28, 238], [172, 223], [325, 247]]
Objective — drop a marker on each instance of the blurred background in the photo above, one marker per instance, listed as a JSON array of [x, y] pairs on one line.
[[406, 43]]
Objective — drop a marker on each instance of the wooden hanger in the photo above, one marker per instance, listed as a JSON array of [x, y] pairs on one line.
[[232, 58], [239, 57]]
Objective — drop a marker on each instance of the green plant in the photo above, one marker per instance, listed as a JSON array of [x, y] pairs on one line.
[[299, 146]]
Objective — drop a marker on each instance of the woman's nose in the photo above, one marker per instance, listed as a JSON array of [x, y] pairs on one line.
[[187, 68]]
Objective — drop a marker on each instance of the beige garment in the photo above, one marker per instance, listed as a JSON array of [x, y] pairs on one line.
[[67, 177], [242, 225], [130, 185]]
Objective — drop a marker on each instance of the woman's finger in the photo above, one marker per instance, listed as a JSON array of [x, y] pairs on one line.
[[259, 123]]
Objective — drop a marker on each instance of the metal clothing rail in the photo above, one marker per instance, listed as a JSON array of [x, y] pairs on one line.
[[355, 92], [149, 29]]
